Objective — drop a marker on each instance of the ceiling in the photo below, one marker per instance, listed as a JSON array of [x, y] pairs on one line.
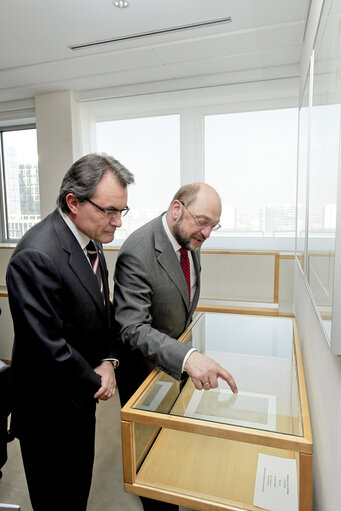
[[263, 41]]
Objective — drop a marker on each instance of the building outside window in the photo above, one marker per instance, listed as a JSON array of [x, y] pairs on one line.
[[20, 177]]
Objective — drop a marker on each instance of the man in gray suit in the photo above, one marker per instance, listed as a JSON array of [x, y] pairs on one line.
[[154, 302]]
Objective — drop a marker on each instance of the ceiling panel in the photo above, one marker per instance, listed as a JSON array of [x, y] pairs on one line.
[[37, 34], [85, 67], [231, 44], [265, 59]]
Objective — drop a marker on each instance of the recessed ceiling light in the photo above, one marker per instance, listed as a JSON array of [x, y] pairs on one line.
[[120, 3]]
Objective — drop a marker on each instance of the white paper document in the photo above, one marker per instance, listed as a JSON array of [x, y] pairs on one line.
[[249, 409], [276, 484]]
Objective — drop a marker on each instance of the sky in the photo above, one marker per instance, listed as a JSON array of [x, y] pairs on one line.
[[25, 143]]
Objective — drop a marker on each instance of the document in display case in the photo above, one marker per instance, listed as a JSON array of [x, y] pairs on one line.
[[200, 449]]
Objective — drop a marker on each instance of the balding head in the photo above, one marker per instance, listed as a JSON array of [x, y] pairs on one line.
[[194, 211], [193, 191]]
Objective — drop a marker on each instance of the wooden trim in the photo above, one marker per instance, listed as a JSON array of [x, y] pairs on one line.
[[128, 451], [191, 502], [8, 362], [249, 252], [187, 332], [305, 482], [286, 314], [241, 434], [276, 278], [326, 315], [3, 290], [238, 252], [321, 254], [302, 387]]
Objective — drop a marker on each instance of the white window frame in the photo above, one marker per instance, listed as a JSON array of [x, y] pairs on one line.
[[192, 106]]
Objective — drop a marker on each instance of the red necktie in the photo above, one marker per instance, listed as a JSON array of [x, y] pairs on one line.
[[94, 260], [184, 262]]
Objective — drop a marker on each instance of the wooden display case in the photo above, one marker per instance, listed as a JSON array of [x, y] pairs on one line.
[[199, 449]]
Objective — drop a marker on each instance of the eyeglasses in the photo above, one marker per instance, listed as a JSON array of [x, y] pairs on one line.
[[110, 212], [201, 222]]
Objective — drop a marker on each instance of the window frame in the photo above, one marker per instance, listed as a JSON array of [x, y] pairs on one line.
[[192, 107], [4, 239]]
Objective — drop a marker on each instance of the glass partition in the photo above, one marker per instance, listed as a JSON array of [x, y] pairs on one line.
[[318, 169], [325, 159], [302, 166]]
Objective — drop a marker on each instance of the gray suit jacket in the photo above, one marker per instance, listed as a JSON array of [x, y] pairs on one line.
[[151, 303]]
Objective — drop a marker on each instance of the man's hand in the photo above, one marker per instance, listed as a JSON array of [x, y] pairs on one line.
[[205, 372], [108, 380]]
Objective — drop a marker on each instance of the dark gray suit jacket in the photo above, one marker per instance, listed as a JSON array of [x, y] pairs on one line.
[[151, 305], [62, 328]]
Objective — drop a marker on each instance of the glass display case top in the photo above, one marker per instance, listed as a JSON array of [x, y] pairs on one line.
[[259, 352]]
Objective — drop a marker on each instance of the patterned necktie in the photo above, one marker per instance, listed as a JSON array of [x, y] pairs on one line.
[[94, 260], [184, 262]]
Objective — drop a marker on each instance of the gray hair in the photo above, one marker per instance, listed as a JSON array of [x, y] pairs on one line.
[[84, 175]]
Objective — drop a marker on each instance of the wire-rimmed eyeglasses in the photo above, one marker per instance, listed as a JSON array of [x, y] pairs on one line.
[[201, 222], [110, 212]]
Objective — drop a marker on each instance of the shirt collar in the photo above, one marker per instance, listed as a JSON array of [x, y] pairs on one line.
[[82, 238], [173, 241]]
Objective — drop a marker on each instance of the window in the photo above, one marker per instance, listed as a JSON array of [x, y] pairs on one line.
[[250, 158], [150, 148], [246, 149], [20, 178]]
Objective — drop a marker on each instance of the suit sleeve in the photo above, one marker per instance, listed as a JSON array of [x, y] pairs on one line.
[[132, 310], [36, 295]]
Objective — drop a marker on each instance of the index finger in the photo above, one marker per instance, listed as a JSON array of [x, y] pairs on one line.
[[225, 375]]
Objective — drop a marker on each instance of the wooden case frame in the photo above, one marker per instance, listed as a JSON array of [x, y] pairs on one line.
[[209, 440]]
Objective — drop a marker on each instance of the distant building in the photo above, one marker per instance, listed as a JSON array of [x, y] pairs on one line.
[[22, 194]]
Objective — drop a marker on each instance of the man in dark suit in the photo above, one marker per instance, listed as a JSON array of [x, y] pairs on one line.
[[154, 301], [64, 355]]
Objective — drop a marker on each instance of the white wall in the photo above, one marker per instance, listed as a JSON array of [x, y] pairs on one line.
[[59, 142], [323, 378]]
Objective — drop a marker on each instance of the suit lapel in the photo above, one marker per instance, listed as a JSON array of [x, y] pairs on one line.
[[77, 260], [168, 260], [196, 261]]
